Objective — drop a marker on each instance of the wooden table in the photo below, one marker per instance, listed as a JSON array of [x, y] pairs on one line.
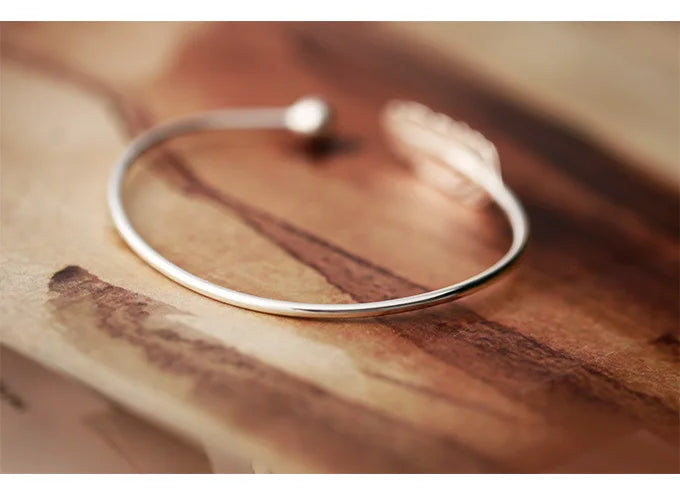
[[570, 364]]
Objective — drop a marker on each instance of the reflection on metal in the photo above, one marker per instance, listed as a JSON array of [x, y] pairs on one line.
[[443, 152]]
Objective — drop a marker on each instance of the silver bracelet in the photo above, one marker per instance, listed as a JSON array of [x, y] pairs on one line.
[[448, 153]]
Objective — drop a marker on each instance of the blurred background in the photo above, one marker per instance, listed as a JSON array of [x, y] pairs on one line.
[[617, 82]]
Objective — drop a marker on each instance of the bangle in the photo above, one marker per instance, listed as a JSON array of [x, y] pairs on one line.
[[448, 153]]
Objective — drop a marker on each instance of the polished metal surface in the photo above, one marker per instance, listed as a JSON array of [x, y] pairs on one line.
[[438, 147]]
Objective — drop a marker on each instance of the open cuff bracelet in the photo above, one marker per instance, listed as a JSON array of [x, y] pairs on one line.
[[448, 153]]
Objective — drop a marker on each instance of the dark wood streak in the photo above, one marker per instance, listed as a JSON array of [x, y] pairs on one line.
[[329, 260], [669, 343], [513, 362], [499, 355], [606, 256], [452, 333], [364, 61], [12, 398], [331, 432], [603, 247]]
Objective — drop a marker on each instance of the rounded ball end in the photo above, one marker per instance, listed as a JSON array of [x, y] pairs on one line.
[[309, 116]]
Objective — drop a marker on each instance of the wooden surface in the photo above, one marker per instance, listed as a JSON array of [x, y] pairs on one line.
[[53, 424], [571, 364], [617, 82]]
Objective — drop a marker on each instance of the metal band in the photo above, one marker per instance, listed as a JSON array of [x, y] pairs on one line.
[[425, 138]]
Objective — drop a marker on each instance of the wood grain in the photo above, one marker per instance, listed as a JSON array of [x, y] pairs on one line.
[[613, 81], [576, 354]]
